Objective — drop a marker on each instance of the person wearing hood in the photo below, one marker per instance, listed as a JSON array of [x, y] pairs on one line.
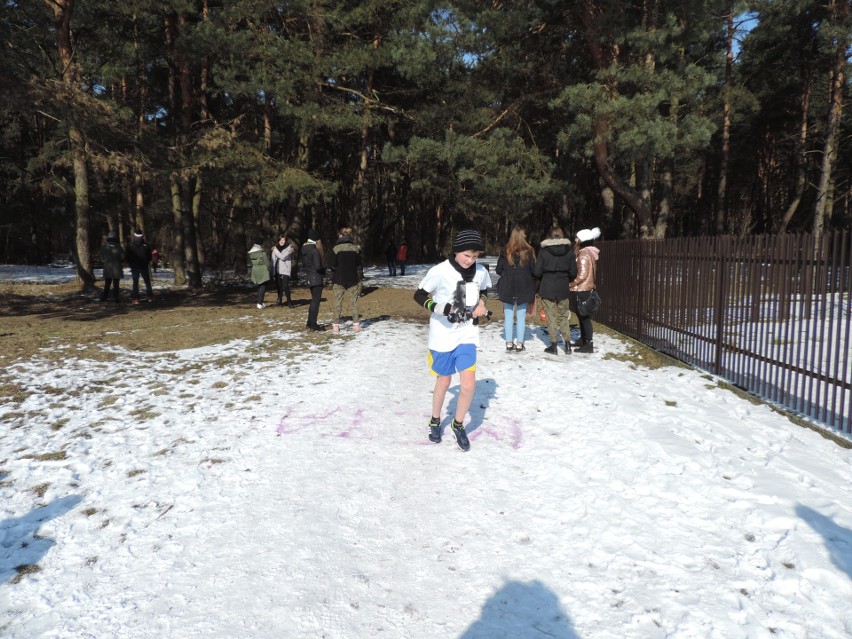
[[556, 267], [261, 268], [312, 272], [139, 259], [584, 283], [112, 255], [347, 265], [453, 292]]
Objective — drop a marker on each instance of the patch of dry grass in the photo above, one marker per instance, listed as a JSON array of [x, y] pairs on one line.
[[39, 319]]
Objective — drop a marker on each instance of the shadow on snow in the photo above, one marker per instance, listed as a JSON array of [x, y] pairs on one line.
[[522, 609], [20, 544], [838, 540]]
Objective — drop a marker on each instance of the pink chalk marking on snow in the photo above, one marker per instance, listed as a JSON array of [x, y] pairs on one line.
[[282, 426], [517, 434], [357, 421], [498, 435]]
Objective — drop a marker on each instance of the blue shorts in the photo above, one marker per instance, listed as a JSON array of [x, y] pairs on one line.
[[461, 358]]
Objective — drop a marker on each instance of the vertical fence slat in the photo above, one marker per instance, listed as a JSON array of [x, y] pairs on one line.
[[846, 289]]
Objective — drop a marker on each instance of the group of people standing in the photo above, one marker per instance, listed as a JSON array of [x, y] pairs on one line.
[[562, 274], [345, 261], [139, 256], [278, 268]]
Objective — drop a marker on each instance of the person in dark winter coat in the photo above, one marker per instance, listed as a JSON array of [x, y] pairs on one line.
[[312, 271], [282, 267], [556, 266], [261, 268], [139, 259], [583, 285], [390, 256], [347, 263], [112, 255], [516, 287]]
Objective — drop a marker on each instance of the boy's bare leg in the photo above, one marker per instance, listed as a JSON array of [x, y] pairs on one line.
[[442, 383], [467, 387]]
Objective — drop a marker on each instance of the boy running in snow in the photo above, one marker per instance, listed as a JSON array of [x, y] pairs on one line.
[[454, 293]]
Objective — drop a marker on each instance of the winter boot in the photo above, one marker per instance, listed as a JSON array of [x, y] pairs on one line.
[[551, 350], [335, 328], [356, 326], [586, 347], [567, 348], [461, 436], [435, 430]]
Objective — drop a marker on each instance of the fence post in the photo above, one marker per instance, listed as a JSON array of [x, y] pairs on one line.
[[721, 278]]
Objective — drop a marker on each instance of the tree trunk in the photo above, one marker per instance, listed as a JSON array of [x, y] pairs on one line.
[[801, 161], [362, 196], [608, 203], [196, 216], [667, 191], [840, 10], [177, 232], [439, 228], [190, 249], [592, 18], [722, 192], [139, 198], [267, 123], [81, 203], [62, 12]]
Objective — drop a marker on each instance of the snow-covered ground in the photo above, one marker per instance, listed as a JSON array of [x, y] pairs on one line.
[[230, 491]]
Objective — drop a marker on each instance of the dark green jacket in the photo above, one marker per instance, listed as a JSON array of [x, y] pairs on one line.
[[113, 256]]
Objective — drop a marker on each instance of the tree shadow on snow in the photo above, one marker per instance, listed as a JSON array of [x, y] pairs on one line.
[[838, 539], [21, 547], [521, 609], [482, 396]]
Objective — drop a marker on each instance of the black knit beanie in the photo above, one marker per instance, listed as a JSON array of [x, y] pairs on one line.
[[468, 240]]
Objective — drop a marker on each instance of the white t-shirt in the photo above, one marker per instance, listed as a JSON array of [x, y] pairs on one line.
[[441, 281]]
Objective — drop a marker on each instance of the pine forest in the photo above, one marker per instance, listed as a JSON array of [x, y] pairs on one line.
[[212, 124]]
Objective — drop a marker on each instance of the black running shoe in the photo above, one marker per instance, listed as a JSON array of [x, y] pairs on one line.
[[435, 431], [461, 436]]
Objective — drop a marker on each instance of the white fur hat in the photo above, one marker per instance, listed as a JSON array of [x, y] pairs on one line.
[[588, 235]]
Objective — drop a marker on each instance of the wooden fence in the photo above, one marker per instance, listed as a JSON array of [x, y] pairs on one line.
[[769, 314]]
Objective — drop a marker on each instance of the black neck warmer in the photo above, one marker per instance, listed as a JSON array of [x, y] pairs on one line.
[[466, 273]]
